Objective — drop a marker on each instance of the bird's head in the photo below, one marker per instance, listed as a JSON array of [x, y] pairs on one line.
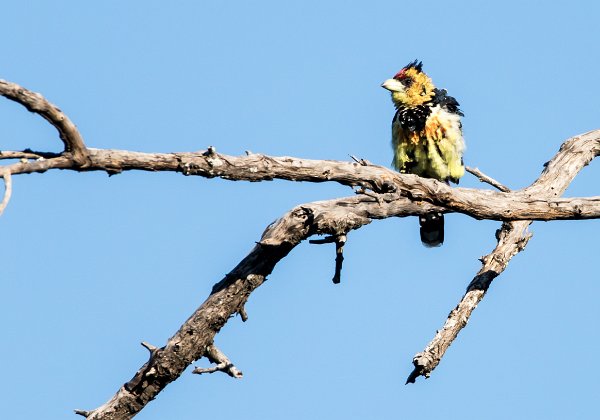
[[410, 87]]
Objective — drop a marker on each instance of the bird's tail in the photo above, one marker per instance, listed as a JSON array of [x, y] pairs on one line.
[[432, 229]]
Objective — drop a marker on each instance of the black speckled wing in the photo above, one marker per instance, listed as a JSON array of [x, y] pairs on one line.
[[442, 99]]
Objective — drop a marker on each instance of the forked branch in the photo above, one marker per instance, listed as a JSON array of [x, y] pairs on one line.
[[222, 363], [34, 102], [573, 156]]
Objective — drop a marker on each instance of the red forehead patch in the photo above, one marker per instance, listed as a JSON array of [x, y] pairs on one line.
[[401, 74]]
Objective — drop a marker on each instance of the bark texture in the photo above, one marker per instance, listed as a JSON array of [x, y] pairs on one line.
[[380, 193]]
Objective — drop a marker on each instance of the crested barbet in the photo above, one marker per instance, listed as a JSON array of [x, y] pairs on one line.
[[426, 137]]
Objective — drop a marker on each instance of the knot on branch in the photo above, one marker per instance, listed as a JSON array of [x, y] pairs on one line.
[[254, 280], [292, 228], [147, 371], [212, 157]]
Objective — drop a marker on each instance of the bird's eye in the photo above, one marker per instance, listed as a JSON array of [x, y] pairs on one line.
[[407, 82]]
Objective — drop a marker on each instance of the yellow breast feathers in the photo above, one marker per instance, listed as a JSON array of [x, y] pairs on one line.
[[435, 151]]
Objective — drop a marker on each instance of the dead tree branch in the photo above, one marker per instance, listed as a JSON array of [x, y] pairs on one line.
[[388, 194], [481, 204], [193, 339], [36, 103], [512, 237]]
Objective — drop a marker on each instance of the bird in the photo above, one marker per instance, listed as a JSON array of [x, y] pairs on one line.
[[427, 137]]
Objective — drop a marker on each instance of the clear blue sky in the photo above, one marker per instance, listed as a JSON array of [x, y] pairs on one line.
[[93, 265]]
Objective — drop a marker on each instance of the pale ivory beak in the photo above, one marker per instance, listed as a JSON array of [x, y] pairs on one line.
[[393, 85]]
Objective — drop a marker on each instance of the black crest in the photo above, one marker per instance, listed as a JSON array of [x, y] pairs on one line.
[[416, 64]]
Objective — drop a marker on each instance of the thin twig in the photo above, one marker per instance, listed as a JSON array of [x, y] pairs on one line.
[[339, 258], [487, 179], [243, 314], [5, 174], [152, 349], [326, 240], [223, 364], [339, 241], [361, 162], [26, 154]]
